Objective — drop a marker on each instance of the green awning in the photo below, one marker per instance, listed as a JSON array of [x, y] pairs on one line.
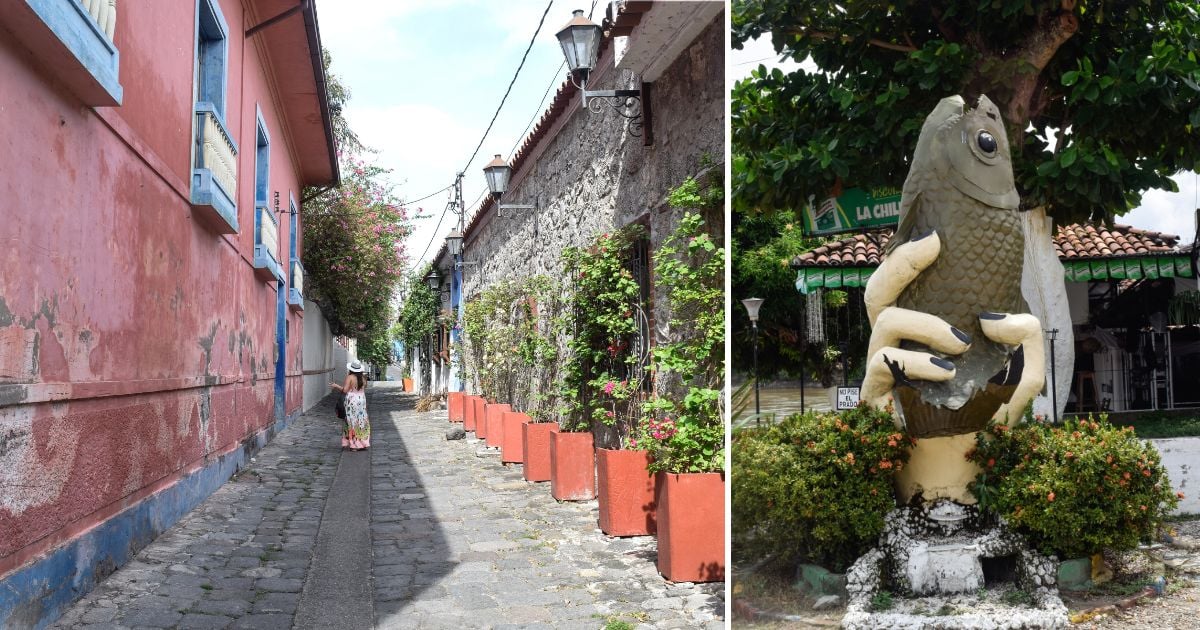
[[1149, 267]]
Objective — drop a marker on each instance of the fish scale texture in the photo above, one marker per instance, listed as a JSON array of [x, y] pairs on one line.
[[981, 252]]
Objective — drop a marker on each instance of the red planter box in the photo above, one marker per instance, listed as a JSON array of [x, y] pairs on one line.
[[454, 403], [625, 490], [512, 447], [691, 526], [480, 417], [407, 384], [572, 466], [495, 428], [469, 413], [536, 448]]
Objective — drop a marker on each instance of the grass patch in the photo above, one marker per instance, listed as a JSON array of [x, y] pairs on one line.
[[1159, 425], [207, 587], [883, 601]]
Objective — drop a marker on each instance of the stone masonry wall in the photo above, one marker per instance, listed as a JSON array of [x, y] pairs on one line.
[[591, 176]]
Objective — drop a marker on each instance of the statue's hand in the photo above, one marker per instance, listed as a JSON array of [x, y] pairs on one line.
[[1027, 368], [887, 363]]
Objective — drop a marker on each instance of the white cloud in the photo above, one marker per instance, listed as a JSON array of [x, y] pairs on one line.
[[1163, 211]]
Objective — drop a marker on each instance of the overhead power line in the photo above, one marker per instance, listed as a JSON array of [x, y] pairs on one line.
[[510, 86], [499, 107]]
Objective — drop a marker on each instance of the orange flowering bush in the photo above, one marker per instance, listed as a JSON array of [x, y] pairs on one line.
[[1074, 489], [815, 487]]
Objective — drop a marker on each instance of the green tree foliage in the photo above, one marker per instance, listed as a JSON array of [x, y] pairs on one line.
[[354, 250], [418, 315], [1118, 78], [764, 246], [353, 241]]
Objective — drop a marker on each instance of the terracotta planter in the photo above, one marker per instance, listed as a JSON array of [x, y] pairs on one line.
[[495, 426], [512, 447], [536, 449], [407, 384], [454, 404], [469, 413], [481, 417], [572, 466], [625, 490], [691, 526]]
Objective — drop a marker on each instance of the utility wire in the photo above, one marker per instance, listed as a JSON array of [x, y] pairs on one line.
[[510, 86], [538, 112], [448, 186], [489, 127]]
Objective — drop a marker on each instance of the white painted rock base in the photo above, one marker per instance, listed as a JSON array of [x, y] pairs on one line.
[[931, 559], [958, 612]]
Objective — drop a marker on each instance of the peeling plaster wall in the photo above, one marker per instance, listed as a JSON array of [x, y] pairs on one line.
[[135, 345], [590, 176]]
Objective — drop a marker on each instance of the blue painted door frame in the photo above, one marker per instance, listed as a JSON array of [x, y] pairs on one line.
[[281, 355]]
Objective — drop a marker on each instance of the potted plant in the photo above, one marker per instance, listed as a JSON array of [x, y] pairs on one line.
[[683, 427]]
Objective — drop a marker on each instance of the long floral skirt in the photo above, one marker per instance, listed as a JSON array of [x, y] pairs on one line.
[[357, 432]]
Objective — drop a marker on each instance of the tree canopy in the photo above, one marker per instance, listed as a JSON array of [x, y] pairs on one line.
[[353, 241], [1101, 98]]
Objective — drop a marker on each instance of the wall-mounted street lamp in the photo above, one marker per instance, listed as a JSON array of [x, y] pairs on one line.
[[752, 305], [454, 244], [580, 40], [498, 173], [433, 280]]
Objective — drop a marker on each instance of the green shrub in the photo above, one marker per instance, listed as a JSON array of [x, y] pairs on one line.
[[815, 487], [1074, 489]]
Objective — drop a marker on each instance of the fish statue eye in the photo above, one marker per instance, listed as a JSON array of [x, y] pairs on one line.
[[987, 143]]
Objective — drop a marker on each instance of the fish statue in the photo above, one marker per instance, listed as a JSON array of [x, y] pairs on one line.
[[960, 185]]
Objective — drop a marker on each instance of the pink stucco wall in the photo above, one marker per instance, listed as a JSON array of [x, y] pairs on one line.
[[134, 343]]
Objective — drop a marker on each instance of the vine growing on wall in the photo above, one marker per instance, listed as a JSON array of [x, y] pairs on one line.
[[602, 383], [683, 427], [510, 338]]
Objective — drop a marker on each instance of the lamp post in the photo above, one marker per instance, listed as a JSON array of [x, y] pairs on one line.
[[580, 40], [752, 305], [498, 173]]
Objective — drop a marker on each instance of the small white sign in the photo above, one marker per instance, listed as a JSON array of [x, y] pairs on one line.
[[847, 398]]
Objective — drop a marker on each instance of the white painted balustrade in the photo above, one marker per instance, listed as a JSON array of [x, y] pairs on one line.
[[104, 12], [215, 152]]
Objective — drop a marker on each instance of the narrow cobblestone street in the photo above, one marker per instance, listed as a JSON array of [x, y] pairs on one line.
[[457, 540]]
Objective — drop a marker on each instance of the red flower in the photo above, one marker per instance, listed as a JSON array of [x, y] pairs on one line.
[[1050, 497]]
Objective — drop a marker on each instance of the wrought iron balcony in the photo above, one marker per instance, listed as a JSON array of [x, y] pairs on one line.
[[266, 244], [214, 176], [296, 287]]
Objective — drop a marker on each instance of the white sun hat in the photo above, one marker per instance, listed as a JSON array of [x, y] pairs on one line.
[[354, 366]]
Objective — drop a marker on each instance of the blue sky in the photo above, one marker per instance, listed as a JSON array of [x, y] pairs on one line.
[[1160, 210], [425, 78]]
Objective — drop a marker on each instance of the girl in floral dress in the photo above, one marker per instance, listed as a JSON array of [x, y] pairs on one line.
[[356, 434]]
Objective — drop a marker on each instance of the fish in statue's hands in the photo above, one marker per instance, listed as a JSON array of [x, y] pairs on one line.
[[951, 334]]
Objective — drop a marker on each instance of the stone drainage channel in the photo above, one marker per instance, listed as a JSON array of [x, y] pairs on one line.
[[417, 532]]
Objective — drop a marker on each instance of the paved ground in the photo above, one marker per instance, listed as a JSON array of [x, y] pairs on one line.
[[456, 541]]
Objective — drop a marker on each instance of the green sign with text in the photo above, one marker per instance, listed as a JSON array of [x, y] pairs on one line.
[[853, 211]]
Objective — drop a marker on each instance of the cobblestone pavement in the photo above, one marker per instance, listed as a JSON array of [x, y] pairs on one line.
[[457, 540]]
